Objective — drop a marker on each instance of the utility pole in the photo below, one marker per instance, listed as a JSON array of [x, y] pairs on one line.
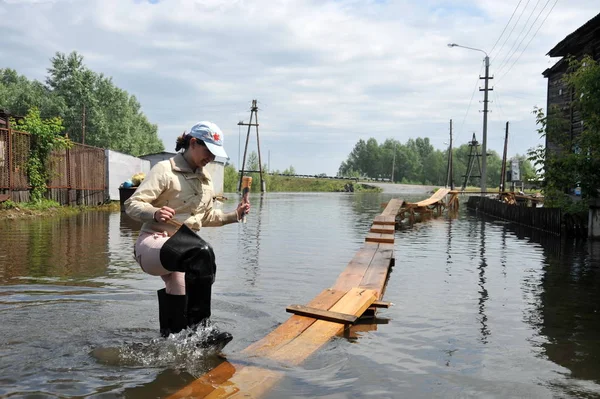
[[485, 90], [503, 173], [473, 156], [253, 113]]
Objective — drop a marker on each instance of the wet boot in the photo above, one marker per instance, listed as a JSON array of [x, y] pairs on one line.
[[187, 252], [198, 291], [171, 313]]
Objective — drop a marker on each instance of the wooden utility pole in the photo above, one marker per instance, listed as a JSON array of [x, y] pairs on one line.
[[253, 114], [503, 169]]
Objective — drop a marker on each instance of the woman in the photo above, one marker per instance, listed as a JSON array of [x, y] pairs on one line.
[[181, 189]]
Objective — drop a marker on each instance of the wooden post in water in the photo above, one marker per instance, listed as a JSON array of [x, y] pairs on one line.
[[253, 113], [503, 169]]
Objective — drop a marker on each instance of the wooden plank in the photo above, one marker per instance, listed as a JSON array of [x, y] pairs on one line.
[[355, 271], [382, 228], [379, 237], [249, 382], [294, 326], [376, 274], [321, 314], [355, 302], [381, 304], [436, 197], [383, 219], [392, 207], [207, 383]]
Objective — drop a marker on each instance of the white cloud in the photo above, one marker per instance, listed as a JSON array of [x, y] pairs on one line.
[[326, 73]]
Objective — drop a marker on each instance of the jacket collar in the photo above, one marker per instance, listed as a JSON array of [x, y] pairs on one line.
[[179, 164]]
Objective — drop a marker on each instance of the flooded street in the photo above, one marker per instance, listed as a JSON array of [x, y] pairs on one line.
[[482, 308]]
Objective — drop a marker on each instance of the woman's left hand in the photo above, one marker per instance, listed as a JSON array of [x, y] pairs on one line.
[[242, 209]]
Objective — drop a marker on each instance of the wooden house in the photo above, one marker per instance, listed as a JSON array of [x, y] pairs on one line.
[[584, 41]]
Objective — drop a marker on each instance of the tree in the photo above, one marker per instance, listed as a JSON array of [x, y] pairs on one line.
[[576, 159], [252, 161], [113, 118], [290, 171]]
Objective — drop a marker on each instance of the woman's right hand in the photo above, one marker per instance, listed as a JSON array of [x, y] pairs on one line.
[[164, 214]]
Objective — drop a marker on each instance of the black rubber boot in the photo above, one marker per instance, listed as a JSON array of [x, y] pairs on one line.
[[171, 313], [187, 252]]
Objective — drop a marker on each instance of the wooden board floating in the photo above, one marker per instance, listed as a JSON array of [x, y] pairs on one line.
[[358, 289], [321, 314], [380, 237], [383, 228]]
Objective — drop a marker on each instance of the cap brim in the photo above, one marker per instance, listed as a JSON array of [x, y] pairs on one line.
[[217, 151]]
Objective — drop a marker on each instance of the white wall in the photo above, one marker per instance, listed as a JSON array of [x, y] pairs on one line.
[[120, 168], [217, 172]]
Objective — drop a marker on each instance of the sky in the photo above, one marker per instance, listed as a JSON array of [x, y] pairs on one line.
[[325, 73]]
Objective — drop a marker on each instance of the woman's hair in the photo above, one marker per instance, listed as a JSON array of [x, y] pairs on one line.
[[183, 142]]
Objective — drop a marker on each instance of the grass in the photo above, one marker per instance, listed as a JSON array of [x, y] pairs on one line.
[[278, 183], [19, 210]]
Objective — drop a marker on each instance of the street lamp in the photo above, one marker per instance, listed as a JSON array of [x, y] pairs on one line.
[[485, 112]]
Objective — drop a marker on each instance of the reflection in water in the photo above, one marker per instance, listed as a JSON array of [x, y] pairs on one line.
[[60, 248], [250, 246], [569, 308], [483, 293]]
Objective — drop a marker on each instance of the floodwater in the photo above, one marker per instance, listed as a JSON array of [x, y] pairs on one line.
[[482, 309]]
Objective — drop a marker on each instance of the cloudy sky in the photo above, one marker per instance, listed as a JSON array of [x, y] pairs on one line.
[[325, 73]]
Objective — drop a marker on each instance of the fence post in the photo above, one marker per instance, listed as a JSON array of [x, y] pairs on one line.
[[10, 158]]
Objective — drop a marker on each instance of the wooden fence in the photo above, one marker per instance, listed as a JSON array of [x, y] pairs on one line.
[[77, 175], [545, 219]]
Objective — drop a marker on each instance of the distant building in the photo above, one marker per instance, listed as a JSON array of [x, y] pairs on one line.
[[583, 41], [121, 167], [215, 168]]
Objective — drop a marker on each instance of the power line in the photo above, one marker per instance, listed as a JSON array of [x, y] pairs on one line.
[[469, 106], [506, 26], [511, 52], [498, 102], [511, 31], [530, 40]]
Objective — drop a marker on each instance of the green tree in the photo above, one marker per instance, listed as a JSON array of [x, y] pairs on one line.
[[573, 160], [289, 171], [113, 118]]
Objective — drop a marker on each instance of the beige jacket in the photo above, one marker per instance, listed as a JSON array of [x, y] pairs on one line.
[[174, 184]]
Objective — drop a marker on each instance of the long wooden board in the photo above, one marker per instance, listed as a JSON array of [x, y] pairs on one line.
[[252, 381]]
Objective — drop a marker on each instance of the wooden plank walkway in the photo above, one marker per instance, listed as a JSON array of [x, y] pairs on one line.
[[358, 288], [438, 196]]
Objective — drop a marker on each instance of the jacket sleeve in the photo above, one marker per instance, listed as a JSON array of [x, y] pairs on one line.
[[139, 205], [215, 217]]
